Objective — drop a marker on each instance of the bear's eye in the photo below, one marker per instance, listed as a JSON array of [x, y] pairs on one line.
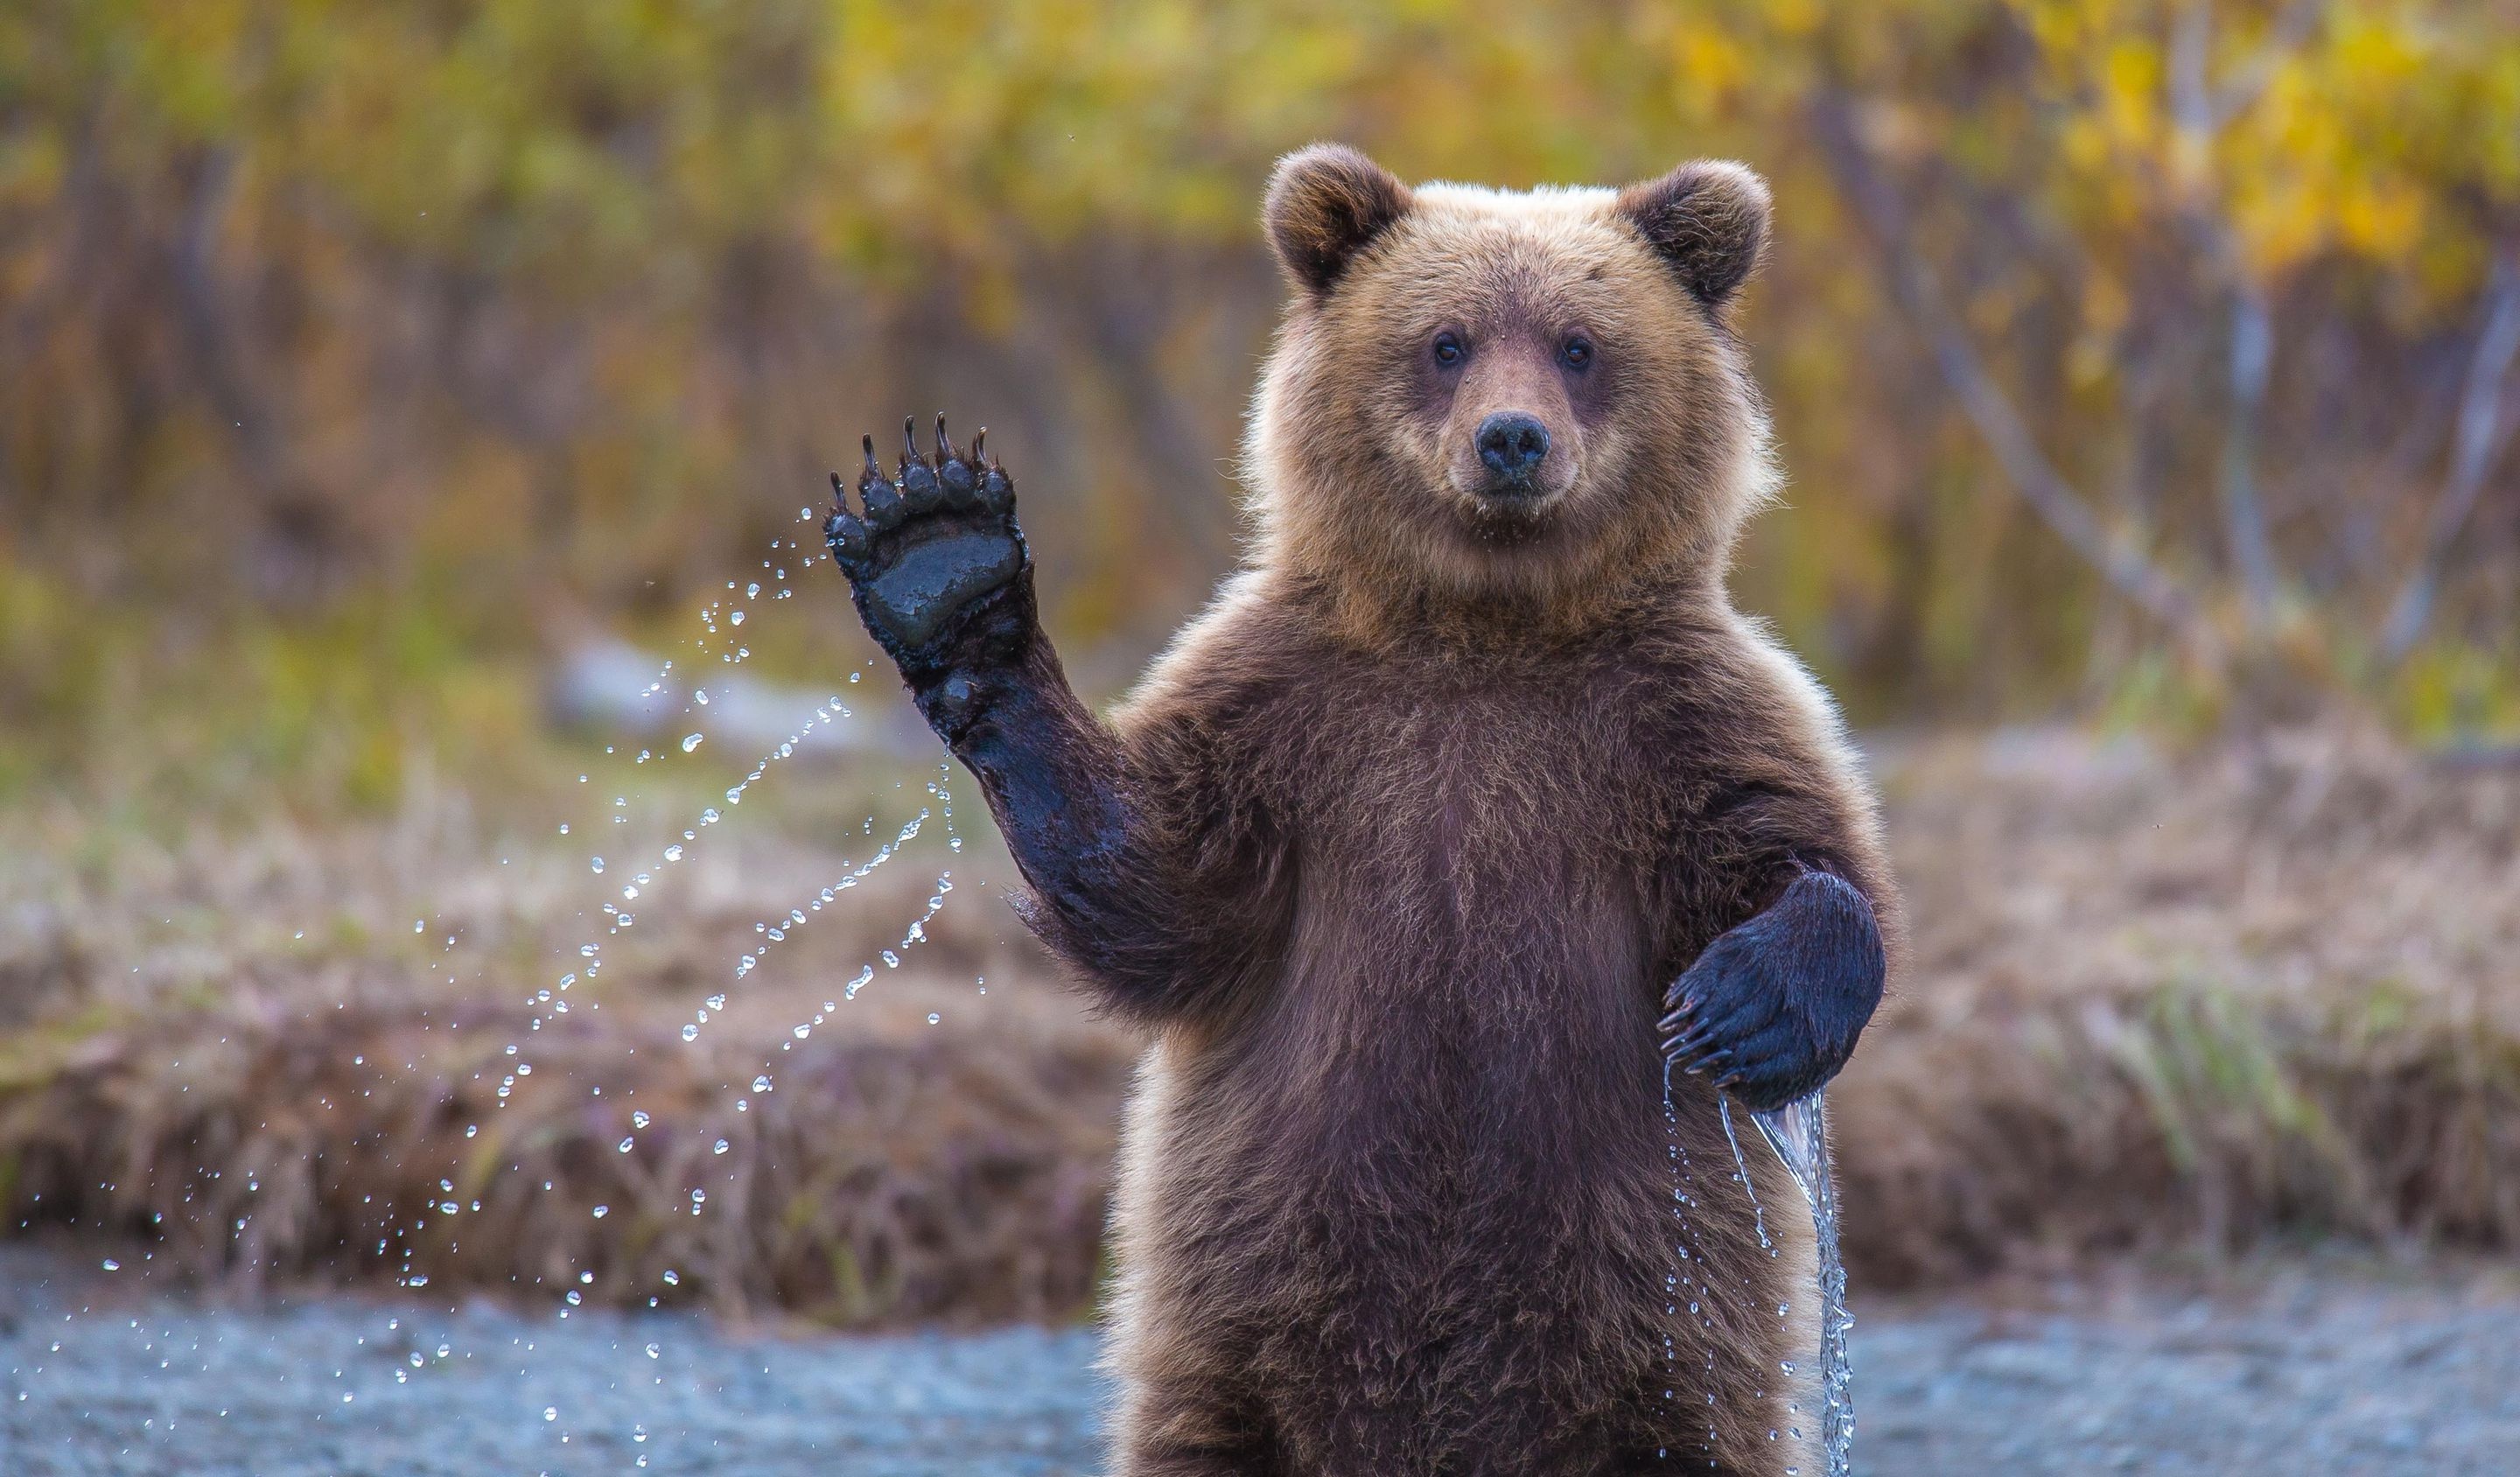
[[1448, 348], [1578, 352]]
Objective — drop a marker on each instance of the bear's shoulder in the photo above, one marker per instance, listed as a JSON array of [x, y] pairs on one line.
[[1718, 694], [1229, 656]]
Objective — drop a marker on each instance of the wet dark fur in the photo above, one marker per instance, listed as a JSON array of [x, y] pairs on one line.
[[1397, 852]]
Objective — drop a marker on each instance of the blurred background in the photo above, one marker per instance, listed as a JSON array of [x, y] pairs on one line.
[[389, 392]]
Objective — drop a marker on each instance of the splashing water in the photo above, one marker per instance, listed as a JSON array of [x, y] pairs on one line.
[[652, 873], [1741, 1173], [1799, 1133], [1683, 1287]]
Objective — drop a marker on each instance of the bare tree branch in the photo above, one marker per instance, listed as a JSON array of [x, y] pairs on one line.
[[208, 326], [2249, 80], [2481, 436], [2244, 517], [2127, 568], [2200, 116]]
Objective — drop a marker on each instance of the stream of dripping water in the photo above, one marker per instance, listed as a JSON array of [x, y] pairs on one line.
[[1799, 1133]]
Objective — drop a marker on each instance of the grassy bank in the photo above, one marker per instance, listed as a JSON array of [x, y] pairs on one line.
[[2262, 992], [2160, 1005]]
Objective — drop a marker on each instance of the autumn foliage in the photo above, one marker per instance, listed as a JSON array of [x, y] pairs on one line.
[[2140, 354]]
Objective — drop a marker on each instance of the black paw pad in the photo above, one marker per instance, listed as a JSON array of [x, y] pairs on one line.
[[929, 583]]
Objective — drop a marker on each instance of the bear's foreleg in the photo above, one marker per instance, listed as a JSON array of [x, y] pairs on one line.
[[941, 575]]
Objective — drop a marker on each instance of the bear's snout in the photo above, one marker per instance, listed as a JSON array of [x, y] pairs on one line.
[[1512, 444]]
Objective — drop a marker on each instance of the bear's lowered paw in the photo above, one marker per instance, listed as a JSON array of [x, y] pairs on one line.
[[1770, 1011], [931, 553]]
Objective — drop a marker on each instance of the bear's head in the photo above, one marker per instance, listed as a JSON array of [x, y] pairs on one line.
[[1515, 405]]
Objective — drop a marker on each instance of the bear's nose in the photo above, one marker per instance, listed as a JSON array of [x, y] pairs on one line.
[[1512, 444]]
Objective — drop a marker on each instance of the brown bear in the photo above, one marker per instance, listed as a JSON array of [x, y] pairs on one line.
[[1467, 813]]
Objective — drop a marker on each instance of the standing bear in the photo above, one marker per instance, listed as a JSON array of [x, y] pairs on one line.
[[1468, 812]]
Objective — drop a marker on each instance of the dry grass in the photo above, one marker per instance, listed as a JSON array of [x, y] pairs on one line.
[[244, 1048], [2159, 1005], [2269, 991], [946, 1176]]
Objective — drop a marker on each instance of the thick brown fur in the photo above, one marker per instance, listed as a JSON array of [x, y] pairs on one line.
[[1478, 783], [1405, 850]]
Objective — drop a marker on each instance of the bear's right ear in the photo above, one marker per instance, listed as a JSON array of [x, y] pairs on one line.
[[1707, 220], [1325, 204]]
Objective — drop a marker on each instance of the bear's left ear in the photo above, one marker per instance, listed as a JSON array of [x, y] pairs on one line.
[[1708, 220], [1325, 204]]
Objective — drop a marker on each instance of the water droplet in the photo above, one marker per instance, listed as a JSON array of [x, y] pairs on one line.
[[691, 741], [602, 1211], [110, 1265], [672, 1279], [690, 1033], [626, 1142], [596, 863], [638, 1119], [761, 1084], [722, 1146], [933, 1017]]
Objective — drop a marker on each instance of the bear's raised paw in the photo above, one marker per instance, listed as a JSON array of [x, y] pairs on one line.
[[933, 544]]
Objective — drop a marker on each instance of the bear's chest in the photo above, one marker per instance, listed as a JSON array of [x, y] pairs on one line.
[[1502, 833], [1462, 1021]]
